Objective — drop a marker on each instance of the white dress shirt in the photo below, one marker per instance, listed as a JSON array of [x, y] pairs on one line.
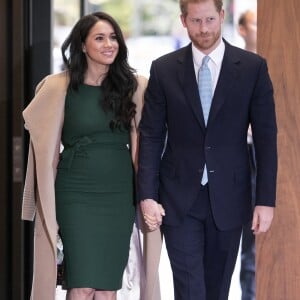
[[214, 64]]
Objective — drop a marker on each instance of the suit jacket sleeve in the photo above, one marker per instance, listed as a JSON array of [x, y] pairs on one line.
[[264, 130], [152, 138]]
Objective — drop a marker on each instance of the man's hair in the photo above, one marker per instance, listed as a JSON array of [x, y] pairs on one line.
[[243, 18], [184, 3]]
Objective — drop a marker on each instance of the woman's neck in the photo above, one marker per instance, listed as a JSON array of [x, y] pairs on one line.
[[96, 76]]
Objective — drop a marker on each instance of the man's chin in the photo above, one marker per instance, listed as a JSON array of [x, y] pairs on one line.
[[204, 46]]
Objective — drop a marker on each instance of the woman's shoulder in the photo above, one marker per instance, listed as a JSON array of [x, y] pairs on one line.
[[58, 80], [138, 97], [50, 91], [142, 81]]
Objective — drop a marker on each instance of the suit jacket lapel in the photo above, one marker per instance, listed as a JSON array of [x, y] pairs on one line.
[[188, 80], [227, 78]]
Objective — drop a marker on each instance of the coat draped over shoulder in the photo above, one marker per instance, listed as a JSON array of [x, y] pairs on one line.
[[44, 119]]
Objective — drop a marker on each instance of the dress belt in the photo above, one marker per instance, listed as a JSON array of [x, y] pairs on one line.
[[79, 144]]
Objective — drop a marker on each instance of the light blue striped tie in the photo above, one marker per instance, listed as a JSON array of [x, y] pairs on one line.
[[205, 92]]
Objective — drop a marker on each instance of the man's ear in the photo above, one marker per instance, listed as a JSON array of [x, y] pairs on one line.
[[183, 20], [242, 31], [222, 16]]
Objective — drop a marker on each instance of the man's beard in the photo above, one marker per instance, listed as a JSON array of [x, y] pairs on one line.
[[205, 42]]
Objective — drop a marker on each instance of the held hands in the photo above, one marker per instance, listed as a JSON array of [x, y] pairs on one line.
[[152, 213], [262, 219]]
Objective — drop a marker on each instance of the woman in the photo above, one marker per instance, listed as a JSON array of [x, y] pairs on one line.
[[87, 191]]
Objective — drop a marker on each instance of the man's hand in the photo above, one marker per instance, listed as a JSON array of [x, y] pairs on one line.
[[152, 213], [262, 219]]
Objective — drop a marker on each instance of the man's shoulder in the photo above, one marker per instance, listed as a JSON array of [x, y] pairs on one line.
[[174, 55], [242, 54]]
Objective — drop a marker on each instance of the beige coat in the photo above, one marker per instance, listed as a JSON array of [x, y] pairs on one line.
[[44, 119]]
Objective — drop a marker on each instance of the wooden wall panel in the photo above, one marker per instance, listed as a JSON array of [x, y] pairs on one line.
[[278, 251]]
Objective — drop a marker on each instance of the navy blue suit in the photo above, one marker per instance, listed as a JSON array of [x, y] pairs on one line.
[[171, 173]]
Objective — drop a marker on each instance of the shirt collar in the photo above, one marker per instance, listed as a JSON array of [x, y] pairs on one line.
[[216, 55]]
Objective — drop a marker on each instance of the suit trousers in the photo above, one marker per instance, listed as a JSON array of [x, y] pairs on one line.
[[247, 273], [202, 257]]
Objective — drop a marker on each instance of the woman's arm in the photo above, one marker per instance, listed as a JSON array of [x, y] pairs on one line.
[[138, 99]]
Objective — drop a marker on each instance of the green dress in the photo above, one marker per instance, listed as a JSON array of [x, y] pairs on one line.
[[94, 193]]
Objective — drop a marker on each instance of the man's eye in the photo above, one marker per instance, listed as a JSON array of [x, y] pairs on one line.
[[195, 20]]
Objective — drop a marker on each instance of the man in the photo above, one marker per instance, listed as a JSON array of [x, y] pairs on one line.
[[201, 173], [247, 27]]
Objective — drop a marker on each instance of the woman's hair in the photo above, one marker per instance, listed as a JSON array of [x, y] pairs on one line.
[[120, 82], [184, 3]]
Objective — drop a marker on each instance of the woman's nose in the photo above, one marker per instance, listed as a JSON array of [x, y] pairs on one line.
[[108, 42]]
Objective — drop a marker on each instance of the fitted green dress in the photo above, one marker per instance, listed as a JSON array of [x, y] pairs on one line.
[[94, 193]]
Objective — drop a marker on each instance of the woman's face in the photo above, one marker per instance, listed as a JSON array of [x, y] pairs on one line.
[[101, 46]]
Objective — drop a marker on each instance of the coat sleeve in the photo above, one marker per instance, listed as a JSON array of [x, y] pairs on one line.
[[29, 197], [29, 203]]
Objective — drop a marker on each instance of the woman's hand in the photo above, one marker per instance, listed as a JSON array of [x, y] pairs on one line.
[[152, 213]]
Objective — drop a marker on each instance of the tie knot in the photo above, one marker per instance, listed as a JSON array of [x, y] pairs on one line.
[[205, 60]]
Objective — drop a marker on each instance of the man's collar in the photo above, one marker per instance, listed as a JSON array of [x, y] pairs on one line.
[[216, 55]]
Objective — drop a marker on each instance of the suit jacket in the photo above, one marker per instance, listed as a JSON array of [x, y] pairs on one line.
[[243, 95], [44, 119]]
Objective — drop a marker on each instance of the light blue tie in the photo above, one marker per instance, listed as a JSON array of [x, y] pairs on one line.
[[205, 92]]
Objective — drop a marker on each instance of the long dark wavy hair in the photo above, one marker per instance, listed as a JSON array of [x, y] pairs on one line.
[[120, 82]]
